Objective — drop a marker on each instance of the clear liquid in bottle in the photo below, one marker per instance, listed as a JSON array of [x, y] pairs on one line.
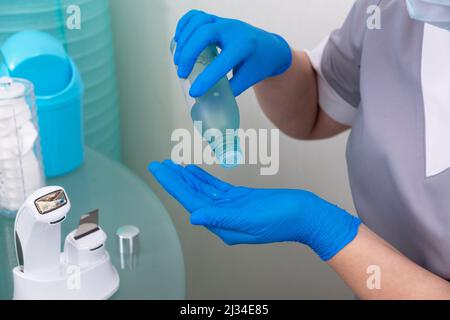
[[217, 109]]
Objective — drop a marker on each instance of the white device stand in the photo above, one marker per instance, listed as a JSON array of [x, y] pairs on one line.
[[86, 273], [82, 271]]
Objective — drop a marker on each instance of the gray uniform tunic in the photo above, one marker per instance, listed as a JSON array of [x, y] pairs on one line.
[[392, 86]]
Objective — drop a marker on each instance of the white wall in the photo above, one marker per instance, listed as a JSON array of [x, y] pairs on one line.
[[153, 106]]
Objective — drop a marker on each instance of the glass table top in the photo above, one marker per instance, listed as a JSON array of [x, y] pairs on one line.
[[157, 272]]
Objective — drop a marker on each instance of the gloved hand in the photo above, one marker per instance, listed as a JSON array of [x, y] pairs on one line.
[[253, 54], [240, 215]]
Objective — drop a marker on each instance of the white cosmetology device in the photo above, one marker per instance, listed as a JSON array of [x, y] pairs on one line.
[[38, 232], [82, 271]]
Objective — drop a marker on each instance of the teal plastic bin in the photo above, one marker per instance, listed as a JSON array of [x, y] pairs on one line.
[[92, 50]]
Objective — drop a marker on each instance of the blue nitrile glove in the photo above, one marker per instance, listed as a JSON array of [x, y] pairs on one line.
[[253, 54], [240, 215]]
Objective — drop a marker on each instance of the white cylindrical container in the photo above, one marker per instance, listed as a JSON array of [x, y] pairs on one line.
[[21, 171]]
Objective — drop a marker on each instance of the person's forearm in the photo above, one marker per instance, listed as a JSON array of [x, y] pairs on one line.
[[290, 101], [368, 257]]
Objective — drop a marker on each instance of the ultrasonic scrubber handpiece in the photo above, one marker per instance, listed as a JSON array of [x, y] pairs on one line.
[[38, 232]]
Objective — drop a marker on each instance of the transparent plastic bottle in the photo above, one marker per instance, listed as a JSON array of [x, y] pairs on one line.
[[217, 109]]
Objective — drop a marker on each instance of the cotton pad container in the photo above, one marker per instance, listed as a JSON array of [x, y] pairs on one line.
[[21, 171]]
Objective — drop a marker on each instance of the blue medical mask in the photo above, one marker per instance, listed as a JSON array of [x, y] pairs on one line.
[[435, 12]]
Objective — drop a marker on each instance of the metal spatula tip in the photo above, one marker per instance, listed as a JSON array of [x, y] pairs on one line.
[[88, 224]]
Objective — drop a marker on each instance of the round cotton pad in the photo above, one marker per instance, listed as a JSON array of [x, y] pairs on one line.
[[9, 125], [19, 143]]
